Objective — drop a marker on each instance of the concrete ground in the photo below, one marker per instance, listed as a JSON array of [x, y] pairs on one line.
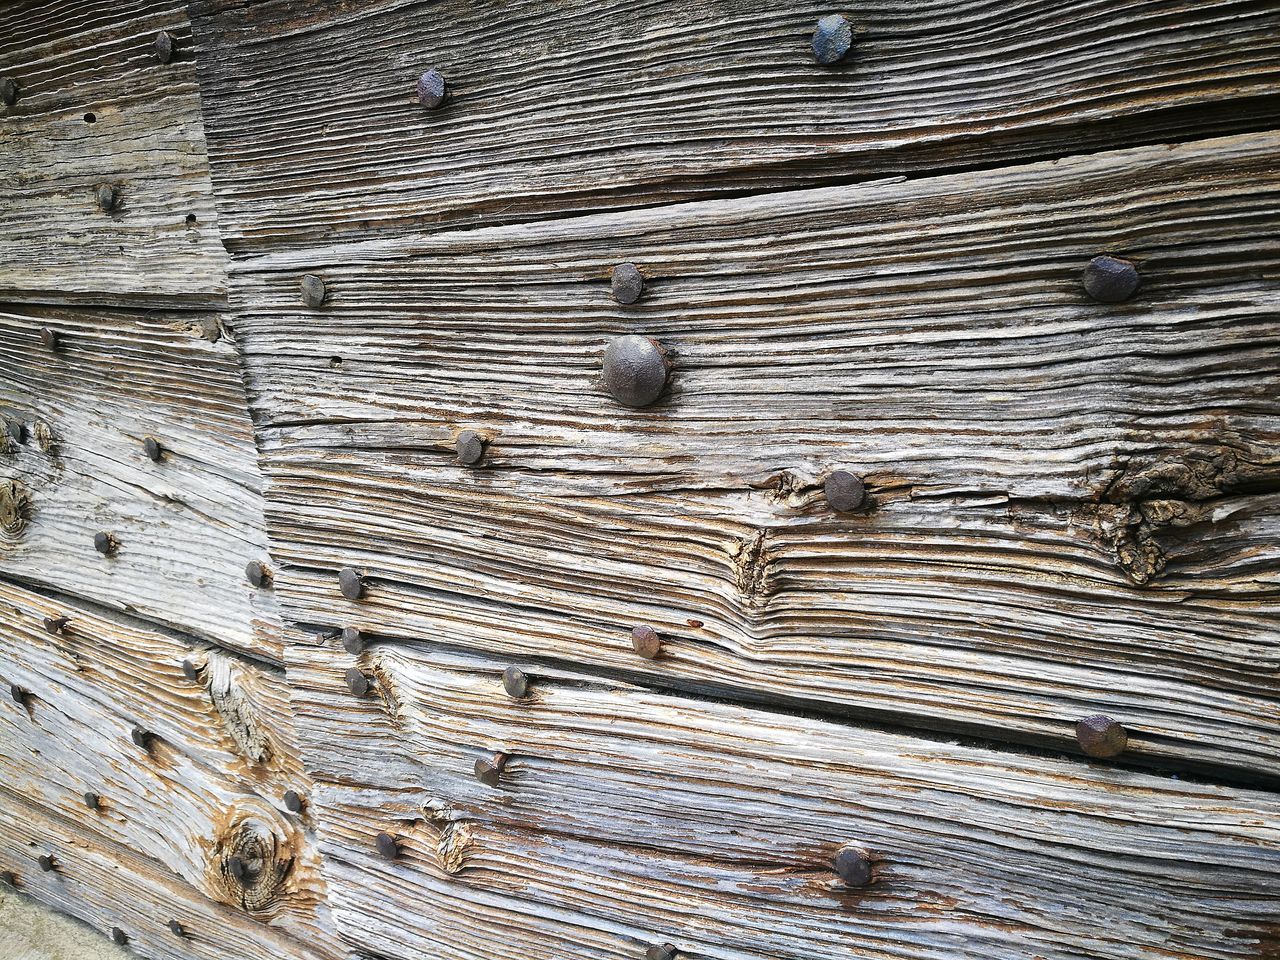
[[31, 931]]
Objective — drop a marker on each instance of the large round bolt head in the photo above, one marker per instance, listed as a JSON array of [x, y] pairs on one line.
[[350, 583], [387, 846], [853, 866], [352, 640], [357, 682], [515, 682], [628, 283], [844, 491], [832, 39], [1111, 279], [470, 447], [432, 89], [646, 642], [107, 197], [1101, 737], [635, 370], [313, 290]]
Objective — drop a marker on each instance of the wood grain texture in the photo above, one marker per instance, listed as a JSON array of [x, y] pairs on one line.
[[187, 525], [1074, 505], [82, 61], [208, 785], [626, 817], [574, 107]]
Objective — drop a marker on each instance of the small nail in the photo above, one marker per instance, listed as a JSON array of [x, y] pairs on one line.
[[635, 370], [191, 671], [1111, 279], [119, 936], [107, 197], [627, 283], [176, 928], [515, 682], [853, 866], [47, 863], [646, 642], [293, 801], [92, 801], [433, 91], [832, 39], [164, 46], [352, 640], [844, 491], [154, 451], [470, 448], [313, 290], [1101, 737], [49, 338], [350, 583], [357, 682], [106, 543], [19, 695], [489, 770], [9, 91], [56, 624], [388, 846], [257, 574], [142, 738], [660, 951]]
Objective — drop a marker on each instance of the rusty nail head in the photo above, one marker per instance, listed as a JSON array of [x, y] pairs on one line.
[[9, 91], [489, 770], [853, 866], [105, 543], [49, 338], [660, 951], [46, 862], [176, 928], [470, 447], [627, 283], [387, 846], [635, 370], [293, 801], [1111, 279], [515, 682], [154, 451], [1101, 737], [832, 39], [845, 492], [56, 624], [350, 583], [190, 670], [143, 738], [119, 936], [313, 291], [92, 801], [433, 91], [646, 641], [257, 574], [164, 46], [357, 682], [107, 197], [9, 878], [19, 695], [352, 640]]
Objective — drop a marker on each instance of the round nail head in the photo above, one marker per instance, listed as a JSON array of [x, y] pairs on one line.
[[660, 951], [49, 338], [1111, 279], [9, 91], [350, 583], [46, 862], [515, 682], [387, 846], [293, 801], [155, 452], [141, 738], [432, 89], [1101, 737], [107, 197], [352, 640], [105, 543], [119, 936], [646, 642], [470, 448], [357, 682], [852, 866], [635, 370], [313, 291], [176, 928], [55, 625], [256, 573], [489, 770], [17, 693], [628, 283], [190, 671], [164, 46], [92, 801], [844, 491], [832, 39]]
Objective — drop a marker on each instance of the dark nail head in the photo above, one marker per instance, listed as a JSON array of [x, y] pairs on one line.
[[660, 951], [1111, 279], [107, 197], [155, 452], [176, 928], [388, 847], [627, 283], [844, 491], [257, 574], [46, 862], [357, 682], [164, 46], [470, 447], [646, 642], [515, 682], [489, 769], [56, 624], [635, 370], [432, 89], [119, 936], [92, 801], [19, 695], [352, 640], [49, 338], [350, 583], [852, 866], [832, 39], [190, 671], [293, 801], [105, 544], [142, 738], [9, 91], [313, 291], [1101, 737]]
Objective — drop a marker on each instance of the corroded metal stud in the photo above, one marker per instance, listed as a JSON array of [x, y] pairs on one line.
[[646, 642], [313, 290], [635, 370], [142, 738], [350, 583], [660, 951], [1111, 279], [352, 640], [190, 671], [388, 846], [853, 866], [293, 801], [49, 338], [107, 197], [832, 39], [92, 801], [515, 682], [844, 491], [9, 91], [155, 452], [177, 929], [627, 283], [47, 863], [18, 694], [470, 447], [257, 574], [433, 91], [56, 625], [357, 682], [119, 936], [489, 769], [1101, 737], [164, 46], [106, 543]]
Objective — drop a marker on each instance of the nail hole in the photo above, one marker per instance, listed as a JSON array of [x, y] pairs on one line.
[[191, 219], [335, 363], [89, 118]]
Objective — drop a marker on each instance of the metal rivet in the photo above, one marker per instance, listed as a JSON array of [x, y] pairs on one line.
[[9, 91], [832, 39], [56, 624], [432, 89], [49, 338], [388, 847], [313, 291], [1101, 737], [164, 46], [352, 640], [9, 878], [470, 447], [293, 801], [19, 695], [357, 682], [47, 863], [155, 452], [119, 936], [190, 671], [627, 283], [853, 866], [107, 197], [489, 769], [646, 641], [350, 583], [143, 738], [635, 370], [845, 492], [105, 543], [515, 682], [257, 574], [176, 928], [1111, 279], [92, 801], [660, 951]]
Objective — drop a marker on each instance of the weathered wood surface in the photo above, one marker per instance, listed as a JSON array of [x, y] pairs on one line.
[[96, 107], [626, 817], [208, 786], [1065, 493], [564, 108], [188, 525]]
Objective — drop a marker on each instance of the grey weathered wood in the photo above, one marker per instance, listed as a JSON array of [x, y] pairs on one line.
[[565, 108], [83, 59], [1073, 503], [188, 525], [626, 817]]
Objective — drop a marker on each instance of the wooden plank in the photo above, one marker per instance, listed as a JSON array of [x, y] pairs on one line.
[[1064, 492], [625, 817], [207, 782], [95, 107], [574, 107], [186, 526]]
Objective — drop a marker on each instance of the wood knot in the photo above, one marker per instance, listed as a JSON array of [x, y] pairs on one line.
[[45, 439], [234, 704], [15, 510], [253, 865], [751, 567], [454, 843]]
